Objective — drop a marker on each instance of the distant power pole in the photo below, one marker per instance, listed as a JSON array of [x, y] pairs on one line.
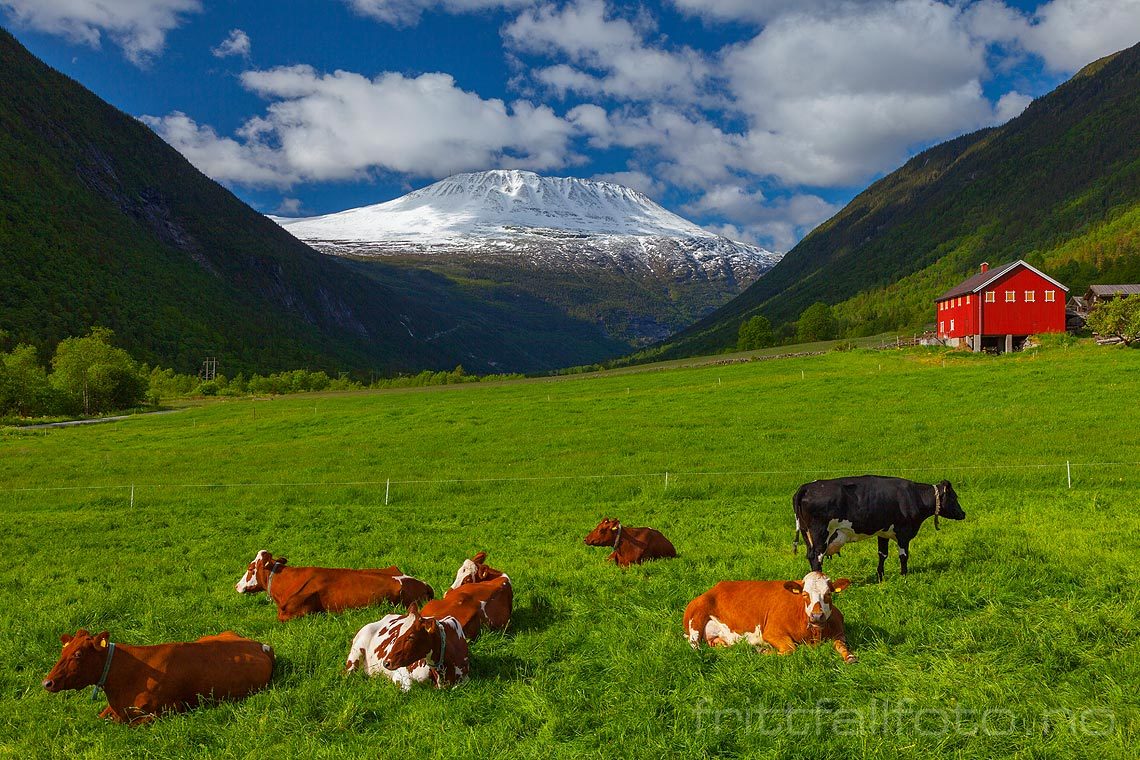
[[209, 369]]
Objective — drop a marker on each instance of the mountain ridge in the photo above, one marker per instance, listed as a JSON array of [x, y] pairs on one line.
[[1058, 186], [545, 234]]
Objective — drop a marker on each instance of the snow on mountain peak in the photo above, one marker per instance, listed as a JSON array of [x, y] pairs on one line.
[[498, 203]]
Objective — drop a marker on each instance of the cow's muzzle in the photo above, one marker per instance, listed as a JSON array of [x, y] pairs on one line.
[[50, 685]]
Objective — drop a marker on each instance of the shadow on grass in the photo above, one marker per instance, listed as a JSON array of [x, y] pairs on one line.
[[536, 615], [499, 666]]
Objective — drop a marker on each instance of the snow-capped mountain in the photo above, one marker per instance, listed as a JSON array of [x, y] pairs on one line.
[[499, 211], [509, 220]]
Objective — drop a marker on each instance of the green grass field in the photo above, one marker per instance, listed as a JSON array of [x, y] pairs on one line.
[[1017, 633]]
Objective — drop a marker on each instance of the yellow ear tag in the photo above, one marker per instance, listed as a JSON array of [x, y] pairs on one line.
[[103, 643]]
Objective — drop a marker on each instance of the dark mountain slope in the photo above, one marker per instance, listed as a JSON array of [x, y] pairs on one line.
[[1058, 186], [101, 222]]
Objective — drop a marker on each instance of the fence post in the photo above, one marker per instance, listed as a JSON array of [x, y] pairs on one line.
[[666, 480], [132, 495], [1069, 472], [387, 486]]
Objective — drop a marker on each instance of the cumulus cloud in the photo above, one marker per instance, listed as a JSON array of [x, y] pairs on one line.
[[637, 180], [1010, 106], [607, 54], [289, 207], [759, 11], [139, 27], [344, 125], [776, 223], [408, 12], [1066, 34], [237, 43]]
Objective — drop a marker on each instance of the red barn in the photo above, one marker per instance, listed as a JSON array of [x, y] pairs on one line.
[[998, 308]]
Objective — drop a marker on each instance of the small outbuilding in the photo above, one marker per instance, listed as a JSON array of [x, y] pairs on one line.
[[998, 308], [1098, 294]]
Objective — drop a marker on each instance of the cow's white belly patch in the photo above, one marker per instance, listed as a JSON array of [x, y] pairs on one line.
[[715, 629], [844, 533]]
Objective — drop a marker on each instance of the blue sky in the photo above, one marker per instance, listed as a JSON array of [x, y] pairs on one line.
[[755, 118]]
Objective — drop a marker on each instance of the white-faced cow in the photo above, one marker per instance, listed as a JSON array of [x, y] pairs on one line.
[[776, 615], [831, 513]]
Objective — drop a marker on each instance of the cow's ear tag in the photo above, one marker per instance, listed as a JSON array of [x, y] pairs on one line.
[[103, 643]]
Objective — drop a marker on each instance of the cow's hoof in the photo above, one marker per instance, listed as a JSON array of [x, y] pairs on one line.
[[850, 659]]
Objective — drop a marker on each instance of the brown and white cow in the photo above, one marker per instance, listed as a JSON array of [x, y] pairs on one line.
[[438, 643], [300, 591], [776, 614], [370, 647], [481, 596], [631, 546], [143, 682]]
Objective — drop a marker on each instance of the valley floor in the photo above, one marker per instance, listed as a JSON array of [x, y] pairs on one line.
[[1017, 633]]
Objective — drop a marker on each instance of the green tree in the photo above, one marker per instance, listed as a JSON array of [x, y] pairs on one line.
[[94, 376], [1119, 317], [24, 387], [755, 333], [817, 322]]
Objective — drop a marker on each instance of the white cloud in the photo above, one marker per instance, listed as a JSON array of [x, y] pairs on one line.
[[609, 55], [237, 43], [139, 27], [637, 180], [1066, 34], [221, 158], [759, 11], [408, 12], [777, 224], [1010, 106], [289, 207], [345, 126]]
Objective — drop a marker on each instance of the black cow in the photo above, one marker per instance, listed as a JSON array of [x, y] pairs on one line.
[[831, 513]]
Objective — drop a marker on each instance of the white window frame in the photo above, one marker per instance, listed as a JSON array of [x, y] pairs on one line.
[[1011, 296], [1030, 296], [991, 296], [951, 325], [942, 327], [1050, 296]]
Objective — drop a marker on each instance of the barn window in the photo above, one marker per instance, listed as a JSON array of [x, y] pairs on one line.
[[959, 303], [951, 325], [1030, 296], [1010, 296], [991, 296], [1050, 296], [942, 327], [967, 300]]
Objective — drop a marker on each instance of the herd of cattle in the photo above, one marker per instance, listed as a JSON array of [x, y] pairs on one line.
[[430, 641]]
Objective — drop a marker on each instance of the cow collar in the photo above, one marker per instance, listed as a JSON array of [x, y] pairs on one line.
[[442, 644], [937, 506], [106, 670], [276, 568]]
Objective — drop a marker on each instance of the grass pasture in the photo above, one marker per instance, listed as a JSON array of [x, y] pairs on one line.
[[1017, 633]]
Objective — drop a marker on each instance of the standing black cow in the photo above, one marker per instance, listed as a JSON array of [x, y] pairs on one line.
[[831, 513]]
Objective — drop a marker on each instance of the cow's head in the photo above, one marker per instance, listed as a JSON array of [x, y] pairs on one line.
[[475, 570], [256, 576], [413, 642], [605, 534], [80, 663], [949, 506], [816, 590]]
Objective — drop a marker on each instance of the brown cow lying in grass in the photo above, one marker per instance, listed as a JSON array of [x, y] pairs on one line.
[[631, 546], [300, 591], [778, 614], [143, 682], [481, 596]]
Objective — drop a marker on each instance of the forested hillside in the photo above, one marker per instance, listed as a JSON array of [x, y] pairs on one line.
[[1059, 186]]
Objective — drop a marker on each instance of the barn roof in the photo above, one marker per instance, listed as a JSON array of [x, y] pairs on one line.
[[1112, 290], [982, 279]]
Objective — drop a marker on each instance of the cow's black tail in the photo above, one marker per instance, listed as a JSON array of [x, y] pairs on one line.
[[796, 510]]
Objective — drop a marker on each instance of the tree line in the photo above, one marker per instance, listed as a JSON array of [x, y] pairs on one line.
[[89, 375]]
